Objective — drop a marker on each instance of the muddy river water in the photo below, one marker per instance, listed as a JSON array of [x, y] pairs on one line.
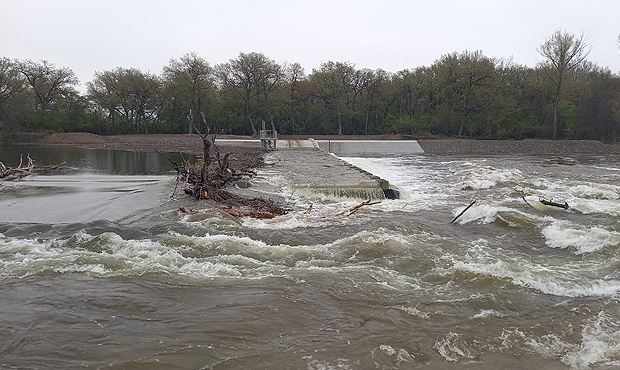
[[98, 269]]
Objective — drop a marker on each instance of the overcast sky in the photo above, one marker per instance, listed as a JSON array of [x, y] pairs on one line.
[[95, 35]]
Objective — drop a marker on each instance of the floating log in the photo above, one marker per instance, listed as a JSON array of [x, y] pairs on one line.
[[564, 206], [463, 211]]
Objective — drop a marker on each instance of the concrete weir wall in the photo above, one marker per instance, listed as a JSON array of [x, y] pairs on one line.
[[339, 147], [313, 172], [357, 147], [312, 168]]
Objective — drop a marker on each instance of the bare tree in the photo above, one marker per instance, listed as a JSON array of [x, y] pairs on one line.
[[294, 75], [190, 77], [47, 81], [563, 53]]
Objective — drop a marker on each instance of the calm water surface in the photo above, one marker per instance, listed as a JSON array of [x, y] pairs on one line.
[[98, 269]]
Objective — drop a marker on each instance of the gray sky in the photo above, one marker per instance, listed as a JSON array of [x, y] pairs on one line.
[[89, 35]]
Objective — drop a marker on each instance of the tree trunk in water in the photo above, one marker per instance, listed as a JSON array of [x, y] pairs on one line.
[[339, 121], [273, 127], [206, 146], [555, 119], [252, 124]]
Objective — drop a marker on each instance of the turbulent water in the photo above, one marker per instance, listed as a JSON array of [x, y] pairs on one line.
[[100, 270]]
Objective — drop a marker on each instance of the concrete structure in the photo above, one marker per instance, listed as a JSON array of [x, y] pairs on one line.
[[340, 147], [357, 147], [313, 172], [310, 169], [268, 139]]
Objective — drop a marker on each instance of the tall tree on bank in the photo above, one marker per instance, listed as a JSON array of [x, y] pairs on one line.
[[237, 75], [563, 53], [189, 80], [47, 82], [293, 75], [334, 81], [129, 93], [11, 82]]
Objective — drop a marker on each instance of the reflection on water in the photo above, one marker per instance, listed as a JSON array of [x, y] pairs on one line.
[[115, 162]]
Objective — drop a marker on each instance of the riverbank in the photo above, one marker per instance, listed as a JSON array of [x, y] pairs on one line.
[[192, 144]]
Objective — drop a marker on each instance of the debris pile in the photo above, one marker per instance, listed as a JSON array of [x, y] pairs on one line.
[[15, 173]]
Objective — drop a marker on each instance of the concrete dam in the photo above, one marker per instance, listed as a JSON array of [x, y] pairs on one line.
[[312, 168]]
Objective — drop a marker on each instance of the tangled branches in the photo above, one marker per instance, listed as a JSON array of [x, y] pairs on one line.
[[207, 178], [15, 173]]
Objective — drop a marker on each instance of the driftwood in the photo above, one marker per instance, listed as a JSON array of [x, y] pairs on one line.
[[248, 213], [564, 206], [207, 179], [463, 211], [358, 207], [15, 173], [309, 209]]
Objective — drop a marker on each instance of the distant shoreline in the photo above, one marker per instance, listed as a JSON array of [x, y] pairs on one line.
[[192, 144]]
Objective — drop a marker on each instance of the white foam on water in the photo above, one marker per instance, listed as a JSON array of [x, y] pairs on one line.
[[600, 343], [316, 364], [452, 347], [542, 278], [212, 256], [413, 311], [481, 214], [583, 197], [488, 313], [416, 178], [106, 254], [596, 191], [488, 213], [577, 279], [583, 239], [486, 177]]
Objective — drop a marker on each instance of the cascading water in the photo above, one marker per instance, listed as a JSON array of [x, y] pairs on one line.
[[393, 286]]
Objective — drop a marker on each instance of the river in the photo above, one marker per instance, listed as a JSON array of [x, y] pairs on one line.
[[98, 269]]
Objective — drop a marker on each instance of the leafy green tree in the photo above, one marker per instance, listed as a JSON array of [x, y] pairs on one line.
[[130, 94], [189, 80], [252, 77], [48, 83], [334, 81]]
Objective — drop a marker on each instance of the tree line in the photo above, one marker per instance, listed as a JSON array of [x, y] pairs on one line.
[[465, 94]]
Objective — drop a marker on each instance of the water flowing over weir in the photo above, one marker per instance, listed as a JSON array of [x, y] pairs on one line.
[[393, 286]]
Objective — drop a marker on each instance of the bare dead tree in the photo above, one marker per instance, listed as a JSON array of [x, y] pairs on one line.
[[563, 53]]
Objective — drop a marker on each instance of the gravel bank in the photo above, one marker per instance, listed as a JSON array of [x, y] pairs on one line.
[[521, 147]]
